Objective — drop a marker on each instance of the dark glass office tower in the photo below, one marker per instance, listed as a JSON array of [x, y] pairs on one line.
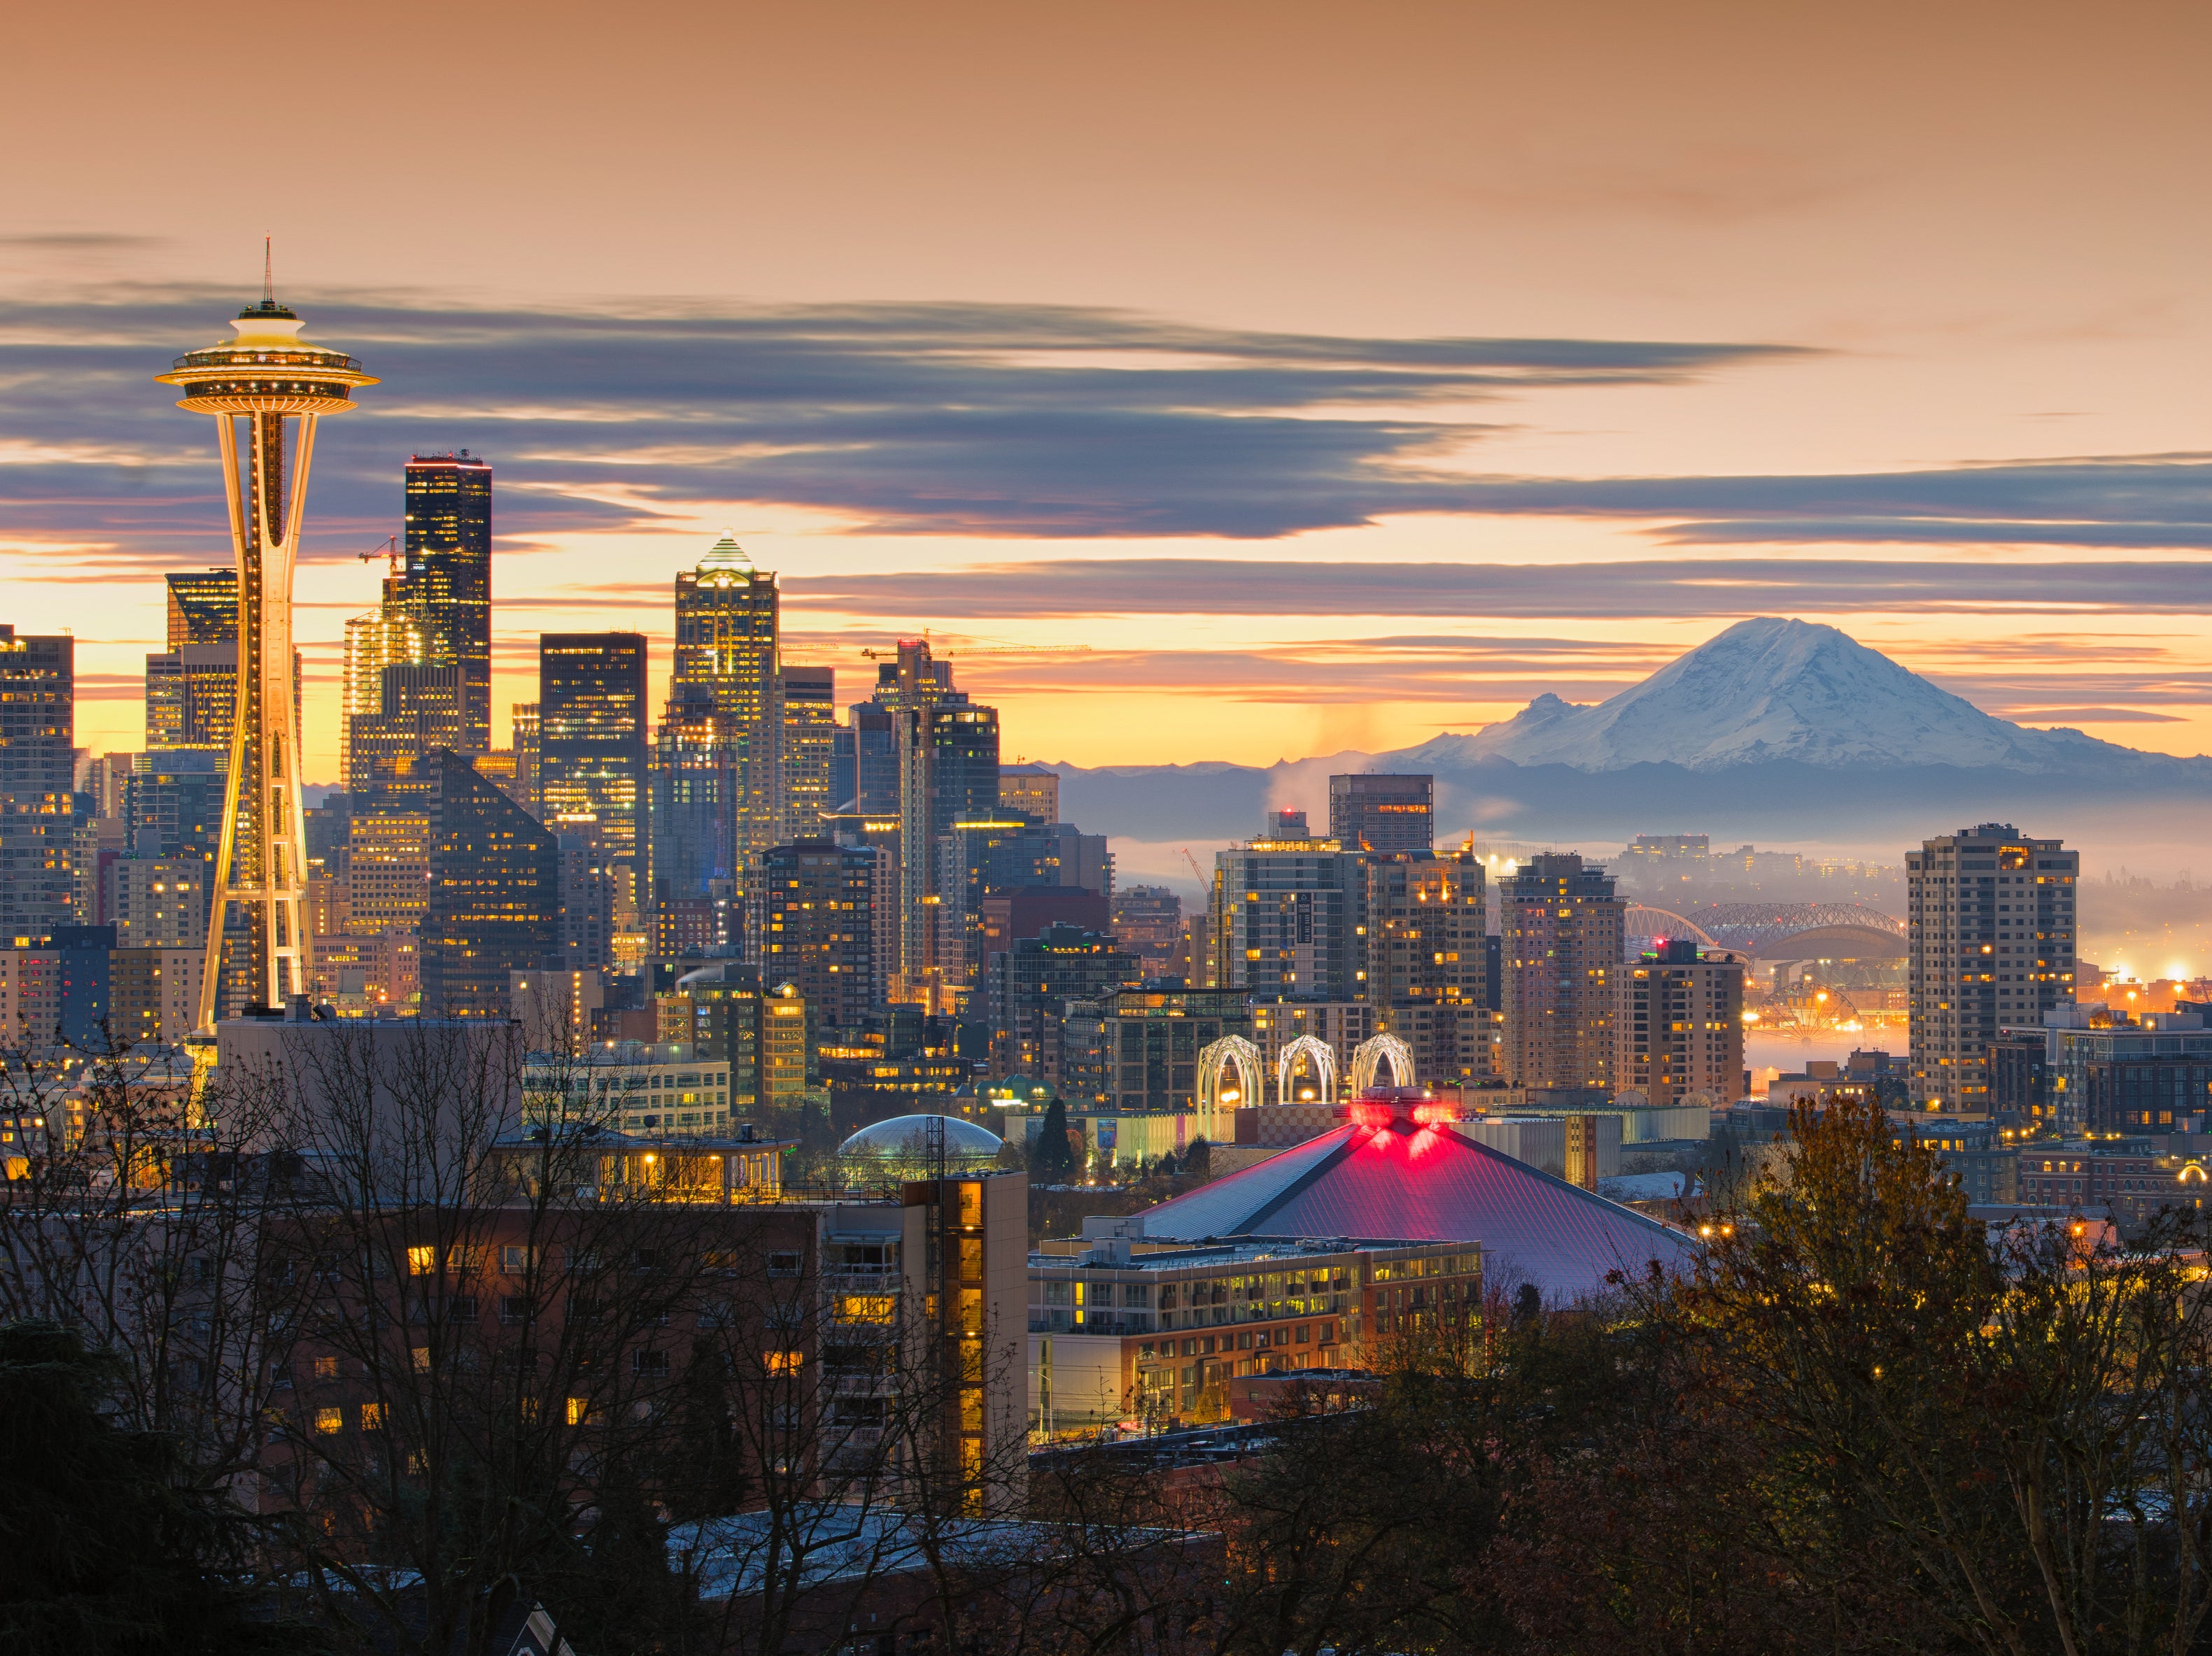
[[592, 742], [448, 577], [494, 890]]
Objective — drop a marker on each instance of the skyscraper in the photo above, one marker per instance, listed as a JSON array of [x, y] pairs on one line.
[[191, 696], [422, 709], [390, 635], [1369, 811], [810, 737], [44, 842], [448, 574], [1563, 930], [592, 735], [717, 780], [1284, 918], [948, 771], [265, 375], [191, 690], [494, 899], [1992, 941], [810, 920], [1427, 972], [203, 607]]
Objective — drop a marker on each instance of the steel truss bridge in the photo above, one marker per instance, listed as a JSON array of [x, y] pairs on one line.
[[1776, 932]]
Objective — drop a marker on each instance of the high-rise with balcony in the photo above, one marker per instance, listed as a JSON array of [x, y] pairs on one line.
[[1563, 928], [1285, 920], [1426, 969], [717, 777], [1680, 1029], [1991, 915], [810, 920]]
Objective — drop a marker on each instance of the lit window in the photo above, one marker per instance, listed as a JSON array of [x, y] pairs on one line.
[[785, 1362], [372, 1416], [422, 1261], [580, 1410], [328, 1421]]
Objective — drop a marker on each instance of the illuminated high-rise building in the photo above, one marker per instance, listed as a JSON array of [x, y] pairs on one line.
[[390, 635], [948, 773], [718, 760], [267, 389], [422, 709], [203, 607], [810, 740], [591, 747], [1992, 941], [1563, 927], [447, 571], [1681, 1024], [1427, 970], [522, 725], [191, 694], [1369, 810], [192, 688], [44, 842]]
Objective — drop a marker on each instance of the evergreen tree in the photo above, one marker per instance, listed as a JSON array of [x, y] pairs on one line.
[[1053, 1158], [1197, 1160], [107, 1549]]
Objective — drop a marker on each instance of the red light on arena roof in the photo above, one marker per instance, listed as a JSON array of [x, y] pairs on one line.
[[1370, 1113]]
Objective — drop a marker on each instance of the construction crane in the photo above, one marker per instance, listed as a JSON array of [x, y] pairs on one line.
[[1196, 873], [997, 650], [389, 551]]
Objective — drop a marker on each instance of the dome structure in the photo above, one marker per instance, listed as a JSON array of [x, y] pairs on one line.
[[901, 1144]]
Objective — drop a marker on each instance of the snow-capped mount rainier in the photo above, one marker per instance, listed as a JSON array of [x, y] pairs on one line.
[[1763, 691], [1776, 729]]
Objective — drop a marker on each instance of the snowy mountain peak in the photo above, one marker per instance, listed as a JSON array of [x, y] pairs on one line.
[[1769, 688]]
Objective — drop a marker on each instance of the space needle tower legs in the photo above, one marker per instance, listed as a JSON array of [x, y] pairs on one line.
[[254, 385]]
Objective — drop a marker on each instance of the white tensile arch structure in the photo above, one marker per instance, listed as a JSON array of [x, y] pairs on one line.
[[1214, 1064], [1371, 1052], [1323, 1057]]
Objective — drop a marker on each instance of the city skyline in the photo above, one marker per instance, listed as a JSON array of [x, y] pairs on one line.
[[1319, 434]]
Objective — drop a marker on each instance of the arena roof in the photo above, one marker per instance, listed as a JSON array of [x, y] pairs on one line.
[[1427, 1183]]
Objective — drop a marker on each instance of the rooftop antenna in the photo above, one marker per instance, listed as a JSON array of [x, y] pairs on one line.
[[268, 272]]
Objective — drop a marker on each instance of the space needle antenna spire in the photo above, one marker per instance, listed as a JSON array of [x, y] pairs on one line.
[[267, 388]]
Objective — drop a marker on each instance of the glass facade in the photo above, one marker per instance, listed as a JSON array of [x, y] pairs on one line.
[[717, 771], [591, 734], [447, 575]]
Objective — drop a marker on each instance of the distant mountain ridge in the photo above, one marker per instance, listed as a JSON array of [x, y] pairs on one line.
[[1765, 690], [1776, 726]]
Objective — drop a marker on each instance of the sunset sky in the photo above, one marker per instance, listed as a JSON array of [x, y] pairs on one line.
[[1306, 377]]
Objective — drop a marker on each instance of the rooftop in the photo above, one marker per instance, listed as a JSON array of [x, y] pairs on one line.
[[1398, 1169]]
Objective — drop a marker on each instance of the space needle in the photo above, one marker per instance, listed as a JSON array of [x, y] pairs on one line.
[[253, 384]]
